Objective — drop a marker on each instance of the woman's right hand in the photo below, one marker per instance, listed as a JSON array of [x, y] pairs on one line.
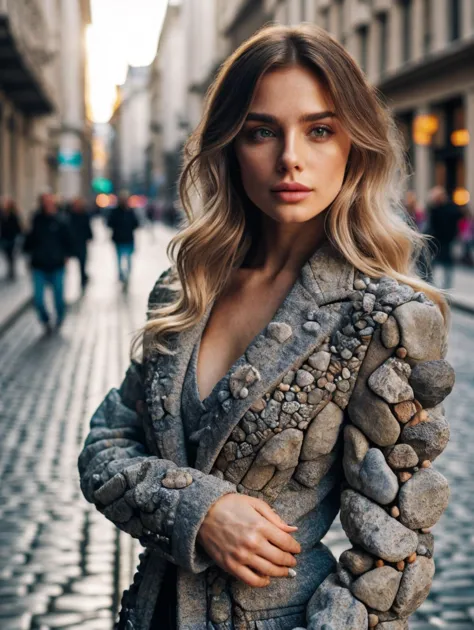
[[246, 538]]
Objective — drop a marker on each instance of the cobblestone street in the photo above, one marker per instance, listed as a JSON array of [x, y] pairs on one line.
[[62, 565]]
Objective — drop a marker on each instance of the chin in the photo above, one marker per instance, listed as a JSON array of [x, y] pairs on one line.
[[294, 213]]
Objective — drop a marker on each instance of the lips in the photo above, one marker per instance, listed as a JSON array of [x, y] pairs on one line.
[[291, 187]]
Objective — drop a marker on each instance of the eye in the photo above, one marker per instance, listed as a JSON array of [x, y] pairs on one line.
[[260, 133], [321, 132]]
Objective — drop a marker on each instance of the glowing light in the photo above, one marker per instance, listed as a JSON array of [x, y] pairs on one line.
[[424, 127], [460, 138], [461, 196], [102, 201]]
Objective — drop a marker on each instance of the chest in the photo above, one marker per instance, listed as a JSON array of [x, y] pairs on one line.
[[235, 320]]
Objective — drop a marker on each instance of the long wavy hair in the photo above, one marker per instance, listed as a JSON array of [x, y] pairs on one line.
[[364, 222]]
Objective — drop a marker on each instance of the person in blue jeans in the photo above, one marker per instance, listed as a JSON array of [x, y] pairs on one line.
[[49, 244], [123, 223]]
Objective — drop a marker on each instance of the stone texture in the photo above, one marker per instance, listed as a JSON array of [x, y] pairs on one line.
[[377, 480], [282, 450], [220, 608], [320, 360], [396, 624], [310, 473], [333, 606], [390, 381], [423, 499], [279, 331], [390, 333], [368, 525], [402, 456], [415, 317], [378, 588], [415, 586], [404, 411], [322, 433], [432, 381], [177, 479], [243, 378], [356, 561], [258, 477], [304, 378], [428, 439]]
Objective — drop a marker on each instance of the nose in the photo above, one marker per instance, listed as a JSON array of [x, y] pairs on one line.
[[291, 156]]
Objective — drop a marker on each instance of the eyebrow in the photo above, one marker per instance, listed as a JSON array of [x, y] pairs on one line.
[[255, 116]]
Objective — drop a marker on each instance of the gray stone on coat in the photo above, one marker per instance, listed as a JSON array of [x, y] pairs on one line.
[[400, 295], [401, 456], [315, 396], [282, 450], [243, 378], [119, 511], [368, 302], [428, 439], [258, 476], [276, 484], [111, 490], [236, 470], [279, 331], [321, 435], [368, 525], [390, 381], [427, 542], [220, 608], [311, 472], [432, 381], [377, 588], [344, 576], [356, 561], [390, 333], [423, 499], [333, 606], [304, 378], [415, 586], [176, 479], [422, 330], [320, 360], [378, 481], [355, 443]]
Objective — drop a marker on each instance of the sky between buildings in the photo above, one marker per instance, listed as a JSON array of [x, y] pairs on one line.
[[123, 32]]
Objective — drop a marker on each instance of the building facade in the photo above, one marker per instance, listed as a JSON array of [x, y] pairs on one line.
[[42, 53], [130, 124]]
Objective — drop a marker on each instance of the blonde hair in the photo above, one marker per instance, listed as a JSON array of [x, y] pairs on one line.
[[363, 222]]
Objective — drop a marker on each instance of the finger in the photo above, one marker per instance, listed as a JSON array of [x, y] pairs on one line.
[[250, 577], [276, 556], [264, 567], [265, 510], [280, 539]]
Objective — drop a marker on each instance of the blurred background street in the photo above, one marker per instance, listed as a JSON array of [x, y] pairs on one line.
[[97, 98]]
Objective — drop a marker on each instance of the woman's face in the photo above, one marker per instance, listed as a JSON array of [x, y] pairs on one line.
[[292, 136]]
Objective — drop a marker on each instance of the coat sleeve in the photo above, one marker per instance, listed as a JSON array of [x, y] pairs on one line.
[[150, 498], [391, 495]]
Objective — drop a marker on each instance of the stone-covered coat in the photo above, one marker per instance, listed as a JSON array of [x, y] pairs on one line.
[[346, 359]]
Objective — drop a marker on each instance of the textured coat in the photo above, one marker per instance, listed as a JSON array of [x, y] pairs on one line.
[[336, 403]]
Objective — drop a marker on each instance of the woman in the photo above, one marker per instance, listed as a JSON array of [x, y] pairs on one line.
[[289, 323], [10, 231]]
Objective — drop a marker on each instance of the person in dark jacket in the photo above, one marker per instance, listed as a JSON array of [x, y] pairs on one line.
[[81, 233], [49, 244], [10, 230], [443, 219], [123, 222]]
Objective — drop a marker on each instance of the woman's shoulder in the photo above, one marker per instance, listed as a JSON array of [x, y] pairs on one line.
[[407, 317], [165, 289]]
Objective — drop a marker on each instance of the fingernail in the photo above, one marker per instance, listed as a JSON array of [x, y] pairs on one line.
[[291, 573]]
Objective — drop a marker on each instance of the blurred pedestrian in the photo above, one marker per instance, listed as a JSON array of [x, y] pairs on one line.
[[81, 234], [443, 218], [49, 244], [123, 223], [10, 231]]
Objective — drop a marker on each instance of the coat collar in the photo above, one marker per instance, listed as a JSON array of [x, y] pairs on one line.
[[311, 311]]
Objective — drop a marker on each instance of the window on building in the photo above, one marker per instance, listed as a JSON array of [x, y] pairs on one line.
[[363, 33], [454, 8], [407, 22], [427, 26], [383, 42]]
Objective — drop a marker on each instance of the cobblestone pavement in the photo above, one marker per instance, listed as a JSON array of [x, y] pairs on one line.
[[59, 564], [59, 560], [451, 601]]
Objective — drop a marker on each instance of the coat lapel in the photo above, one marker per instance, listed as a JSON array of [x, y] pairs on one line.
[[310, 313]]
